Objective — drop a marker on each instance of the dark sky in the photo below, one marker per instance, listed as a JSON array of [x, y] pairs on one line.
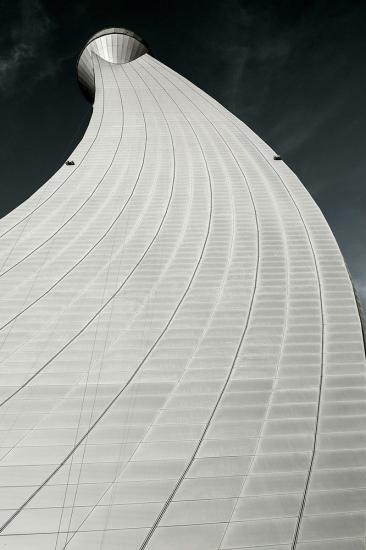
[[294, 71]]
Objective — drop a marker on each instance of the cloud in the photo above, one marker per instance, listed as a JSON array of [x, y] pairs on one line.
[[28, 37], [246, 45]]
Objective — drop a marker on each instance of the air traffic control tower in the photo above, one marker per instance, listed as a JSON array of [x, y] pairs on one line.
[[182, 359]]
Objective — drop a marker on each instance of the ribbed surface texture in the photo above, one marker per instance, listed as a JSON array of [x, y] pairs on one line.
[[182, 358]]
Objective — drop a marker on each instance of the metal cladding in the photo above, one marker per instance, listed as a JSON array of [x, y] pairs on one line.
[[182, 358], [116, 45]]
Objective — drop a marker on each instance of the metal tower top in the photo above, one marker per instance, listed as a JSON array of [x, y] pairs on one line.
[[116, 45]]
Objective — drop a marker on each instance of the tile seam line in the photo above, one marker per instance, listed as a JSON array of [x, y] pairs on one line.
[[34, 336], [44, 365], [2, 527], [204, 244], [285, 326], [202, 500], [29, 217], [19, 237], [107, 272], [303, 502], [261, 547], [320, 386], [167, 526], [81, 331], [91, 249], [302, 506], [187, 468], [9, 521], [89, 197], [136, 481], [277, 376], [222, 284], [87, 324], [178, 243], [65, 180], [206, 457]]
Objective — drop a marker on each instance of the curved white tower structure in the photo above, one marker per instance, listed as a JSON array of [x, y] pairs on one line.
[[182, 361]]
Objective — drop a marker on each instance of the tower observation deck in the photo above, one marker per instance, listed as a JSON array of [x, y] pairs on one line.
[[182, 360]]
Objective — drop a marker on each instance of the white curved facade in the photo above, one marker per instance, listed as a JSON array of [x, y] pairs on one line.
[[182, 358]]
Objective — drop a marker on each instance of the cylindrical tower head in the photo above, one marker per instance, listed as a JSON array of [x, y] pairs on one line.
[[116, 45]]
